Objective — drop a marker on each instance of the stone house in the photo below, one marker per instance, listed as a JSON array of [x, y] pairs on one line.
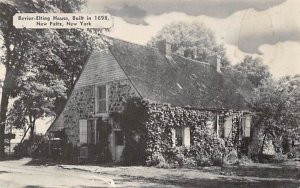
[[125, 70]]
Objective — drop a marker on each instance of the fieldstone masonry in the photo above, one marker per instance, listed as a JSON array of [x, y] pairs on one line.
[[80, 105], [119, 92]]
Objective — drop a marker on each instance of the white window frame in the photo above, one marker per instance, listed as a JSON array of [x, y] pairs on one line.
[[96, 100], [185, 135]]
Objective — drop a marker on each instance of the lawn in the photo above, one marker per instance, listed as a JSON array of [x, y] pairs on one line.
[[250, 175]]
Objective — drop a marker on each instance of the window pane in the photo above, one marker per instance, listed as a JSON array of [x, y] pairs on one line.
[[119, 138], [102, 92], [178, 136], [101, 105], [221, 126]]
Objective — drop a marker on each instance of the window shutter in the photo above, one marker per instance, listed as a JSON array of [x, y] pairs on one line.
[[173, 131], [227, 126], [83, 131], [186, 137], [247, 126]]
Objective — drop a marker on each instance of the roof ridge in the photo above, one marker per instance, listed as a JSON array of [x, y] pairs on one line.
[[178, 55], [194, 60], [113, 38]]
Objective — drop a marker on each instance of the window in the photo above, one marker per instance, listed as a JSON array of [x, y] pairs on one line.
[[119, 138], [83, 131], [101, 99], [221, 130], [246, 126], [179, 136], [86, 131]]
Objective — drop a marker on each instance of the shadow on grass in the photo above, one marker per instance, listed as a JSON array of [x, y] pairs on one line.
[[51, 162], [230, 182], [39, 162], [264, 172]]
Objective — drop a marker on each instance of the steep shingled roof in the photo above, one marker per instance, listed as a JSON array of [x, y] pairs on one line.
[[178, 80]]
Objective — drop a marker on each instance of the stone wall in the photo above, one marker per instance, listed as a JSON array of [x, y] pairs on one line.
[[119, 92], [80, 105]]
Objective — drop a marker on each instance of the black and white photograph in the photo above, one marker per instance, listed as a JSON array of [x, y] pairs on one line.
[[141, 93]]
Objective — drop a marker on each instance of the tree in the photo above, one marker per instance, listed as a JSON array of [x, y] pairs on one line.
[[277, 108], [192, 40], [24, 47], [35, 100], [254, 70]]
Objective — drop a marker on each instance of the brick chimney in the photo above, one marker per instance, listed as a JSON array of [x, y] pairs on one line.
[[215, 62], [164, 47]]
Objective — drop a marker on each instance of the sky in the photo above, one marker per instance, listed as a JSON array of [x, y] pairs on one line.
[[262, 28], [269, 29]]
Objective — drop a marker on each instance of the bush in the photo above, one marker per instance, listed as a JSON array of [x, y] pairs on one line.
[[98, 153], [148, 135], [278, 158], [245, 160], [231, 158], [207, 149], [69, 152], [35, 147], [294, 153], [159, 161]]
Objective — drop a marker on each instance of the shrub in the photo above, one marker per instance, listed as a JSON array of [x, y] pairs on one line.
[[294, 153], [245, 160], [148, 135], [231, 158], [278, 158], [69, 152], [99, 153], [159, 161], [207, 149], [131, 122], [189, 162], [35, 147]]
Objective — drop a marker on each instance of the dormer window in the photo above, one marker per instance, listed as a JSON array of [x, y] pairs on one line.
[[101, 99]]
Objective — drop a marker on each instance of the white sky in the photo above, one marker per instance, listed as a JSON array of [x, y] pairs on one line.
[[283, 58]]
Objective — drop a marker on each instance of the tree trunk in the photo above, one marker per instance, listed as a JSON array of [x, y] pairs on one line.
[[32, 127], [3, 116], [263, 144]]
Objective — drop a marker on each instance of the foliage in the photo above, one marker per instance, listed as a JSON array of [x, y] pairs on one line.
[[28, 52], [147, 127], [231, 158], [69, 152], [132, 124], [207, 148], [254, 70], [35, 147], [279, 158], [191, 40], [294, 153], [36, 100], [98, 153], [244, 160], [101, 150], [277, 108]]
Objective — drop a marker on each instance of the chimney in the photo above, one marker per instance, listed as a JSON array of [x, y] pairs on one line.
[[215, 62], [164, 47]]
